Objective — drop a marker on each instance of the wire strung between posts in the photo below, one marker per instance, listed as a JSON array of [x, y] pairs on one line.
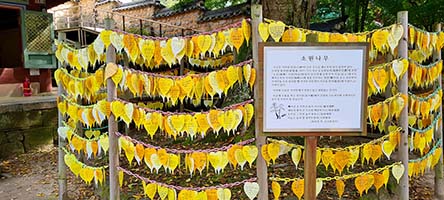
[[432, 151], [65, 71], [388, 100], [83, 164], [181, 76], [421, 30], [432, 125], [75, 103], [359, 33], [82, 138], [336, 149], [384, 65], [416, 97], [344, 177], [425, 66], [167, 113], [179, 151], [228, 185]]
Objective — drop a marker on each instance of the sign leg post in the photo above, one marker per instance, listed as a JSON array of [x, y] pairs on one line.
[[311, 142]]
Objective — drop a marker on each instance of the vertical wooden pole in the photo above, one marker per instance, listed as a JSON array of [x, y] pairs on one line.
[[403, 149], [79, 126], [311, 142], [63, 194], [439, 181], [181, 72], [261, 165], [112, 125]]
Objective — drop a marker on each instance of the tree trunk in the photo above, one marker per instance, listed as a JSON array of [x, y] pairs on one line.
[[292, 12], [356, 24], [364, 14]]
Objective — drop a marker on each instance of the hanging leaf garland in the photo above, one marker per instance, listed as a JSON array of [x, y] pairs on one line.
[[152, 188], [390, 108], [90, 147], [382, 40], [153, 52], [380, 75], [86, 173], [340, 158], [417, 167], [424, 75], [362, 181], [192, 160], [170, 88]]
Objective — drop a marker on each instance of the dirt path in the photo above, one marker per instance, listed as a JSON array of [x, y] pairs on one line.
[[33, 176]]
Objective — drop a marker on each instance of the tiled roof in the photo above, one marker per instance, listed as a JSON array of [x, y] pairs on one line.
[[101, 2], [333, 25], [137, 4], [165, 12], [223, 13]]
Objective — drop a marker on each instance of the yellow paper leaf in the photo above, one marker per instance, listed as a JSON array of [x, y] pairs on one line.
[[150, 190], [237, 38], [379, 181], [250, 153], [276, 188], [273, 150], [398, 171], [298, 188], [239, 156], [87, 174], [276, 30], [340, 186], [263, 31], [363, 183]]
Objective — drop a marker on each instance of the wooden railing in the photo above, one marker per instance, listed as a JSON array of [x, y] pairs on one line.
[[93, 19]]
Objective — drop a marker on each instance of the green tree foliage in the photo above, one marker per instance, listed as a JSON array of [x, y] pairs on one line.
[[209, 4], [422, 13], [217, 4], [366, 15]]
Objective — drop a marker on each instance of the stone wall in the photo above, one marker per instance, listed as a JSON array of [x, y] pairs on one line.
[[188, 19], [103, 10], [133, 24], [26, 130], [217, 24]]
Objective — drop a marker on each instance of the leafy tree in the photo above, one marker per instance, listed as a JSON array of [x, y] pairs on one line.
[[294, 12], [366, 15], [422, 13], [217, 4]]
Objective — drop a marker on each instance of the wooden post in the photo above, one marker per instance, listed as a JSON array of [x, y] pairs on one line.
[[123, 22], [311, 142], [261, 165], [181, 72], [79, 126], [63, 194], [112, 125], [141, 26], [403, 149], [439, 181]]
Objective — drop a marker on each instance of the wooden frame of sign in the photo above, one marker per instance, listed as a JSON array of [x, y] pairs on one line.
[[312, 89]]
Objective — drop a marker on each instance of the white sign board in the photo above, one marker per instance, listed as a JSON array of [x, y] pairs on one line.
[[315, 88]]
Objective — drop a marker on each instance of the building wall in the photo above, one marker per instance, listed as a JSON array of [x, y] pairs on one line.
[[217, 24], [12, 71], [133, 24], [103, 11], [187, 19]]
